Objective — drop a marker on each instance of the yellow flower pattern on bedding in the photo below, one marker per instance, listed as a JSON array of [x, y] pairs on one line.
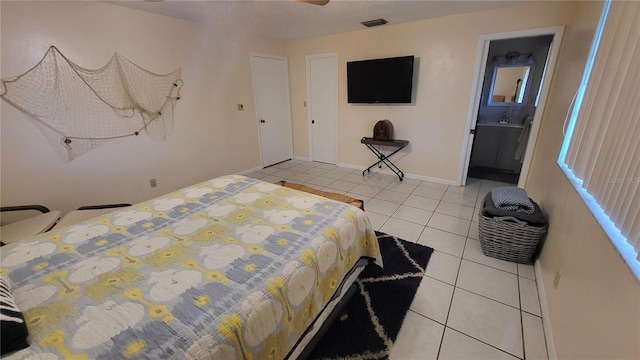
[[232, 268]]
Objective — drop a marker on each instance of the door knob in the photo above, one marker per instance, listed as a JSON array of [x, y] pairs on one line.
[[262, 121], [313, 121]]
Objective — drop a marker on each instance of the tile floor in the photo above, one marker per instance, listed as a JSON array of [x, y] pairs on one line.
[[468, 306]]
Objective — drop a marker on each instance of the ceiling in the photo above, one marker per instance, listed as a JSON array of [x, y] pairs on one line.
[[292, 20]]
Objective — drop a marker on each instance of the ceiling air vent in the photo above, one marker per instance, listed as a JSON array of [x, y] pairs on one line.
[[376, 22]]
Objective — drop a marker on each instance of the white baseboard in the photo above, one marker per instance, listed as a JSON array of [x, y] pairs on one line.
[[408, 176], [249, 171], [546, 323], [350, 166], [383, 171], [430, 179]]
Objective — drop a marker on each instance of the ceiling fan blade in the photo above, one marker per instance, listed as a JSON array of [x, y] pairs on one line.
[[314, 2]]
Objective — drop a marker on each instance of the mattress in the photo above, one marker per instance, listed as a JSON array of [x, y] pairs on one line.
[[229, 268]]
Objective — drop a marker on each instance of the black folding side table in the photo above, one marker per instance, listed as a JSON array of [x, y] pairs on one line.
[[382, 158]]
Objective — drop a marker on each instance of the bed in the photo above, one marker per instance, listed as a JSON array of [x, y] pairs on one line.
[[231, 268]]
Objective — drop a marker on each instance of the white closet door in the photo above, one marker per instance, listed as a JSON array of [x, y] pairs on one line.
[[322, 75], [271, 89]]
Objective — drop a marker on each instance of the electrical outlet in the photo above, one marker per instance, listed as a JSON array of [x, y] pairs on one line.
[[556, 280], [153, 183], [240, 107]]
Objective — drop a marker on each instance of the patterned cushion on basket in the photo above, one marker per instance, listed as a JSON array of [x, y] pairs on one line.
[[512, 198], [535, 219]]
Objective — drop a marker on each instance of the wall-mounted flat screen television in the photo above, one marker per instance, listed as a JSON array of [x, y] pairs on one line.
[[388, 81]]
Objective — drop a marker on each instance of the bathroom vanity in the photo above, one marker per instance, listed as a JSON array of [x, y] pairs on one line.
[[495, 146]]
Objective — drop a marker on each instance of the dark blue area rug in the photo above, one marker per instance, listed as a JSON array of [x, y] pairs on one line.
[[372, 318]]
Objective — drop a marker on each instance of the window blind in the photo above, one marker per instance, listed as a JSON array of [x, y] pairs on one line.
[[604, 147]]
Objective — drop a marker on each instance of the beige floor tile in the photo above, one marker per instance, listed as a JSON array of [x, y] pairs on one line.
[[428, 192], [434, 185], [474, 230], [535, 346], [529, 296], [376, 220], [486, 320], [451, 209], [366, 190], [482, 318], [337, 173], [354, 177], [458, 346], [433, 299], [403, 229], [413, 215], [419, 339], [392, 196], [495, 284], [402, 187], [320, 181], [460, 199], [342, 185], [527, 271], [421, 202], [301, 177], [443, 267], [451, 224], [378, 179], [443, 241], [382, 207]]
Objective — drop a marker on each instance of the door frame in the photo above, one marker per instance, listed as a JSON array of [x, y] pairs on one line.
[[308, 59], [476, 93], [255, 99]]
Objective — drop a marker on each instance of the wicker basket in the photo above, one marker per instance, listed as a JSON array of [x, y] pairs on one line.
[[510, 239]]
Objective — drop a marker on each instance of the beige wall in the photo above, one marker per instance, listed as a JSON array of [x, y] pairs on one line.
[[435, 123], [595, 310], [216, 75]]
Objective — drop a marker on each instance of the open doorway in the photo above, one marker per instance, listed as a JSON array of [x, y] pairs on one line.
[[513, 73], [513, 78]]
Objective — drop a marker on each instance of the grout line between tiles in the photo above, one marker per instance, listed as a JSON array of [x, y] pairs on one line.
[[446, 320], [439, 201], [506, 352], [530, 313], [489, 266], [484, 296], [524, 352], [475, 262]]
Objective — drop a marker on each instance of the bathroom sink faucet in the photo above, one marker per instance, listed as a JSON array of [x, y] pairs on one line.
[[504, 119]]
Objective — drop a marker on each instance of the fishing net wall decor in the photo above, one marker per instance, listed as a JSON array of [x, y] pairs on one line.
[[78, 109]]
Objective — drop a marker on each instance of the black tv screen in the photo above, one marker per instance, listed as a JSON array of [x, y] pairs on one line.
[[387, 80]]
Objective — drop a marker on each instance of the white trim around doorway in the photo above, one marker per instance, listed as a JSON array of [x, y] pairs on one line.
[[476, 92]]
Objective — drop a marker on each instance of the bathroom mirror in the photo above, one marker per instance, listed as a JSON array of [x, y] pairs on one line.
[[510, 84]]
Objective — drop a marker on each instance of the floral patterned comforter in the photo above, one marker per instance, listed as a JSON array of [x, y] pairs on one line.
[[227, 269]]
